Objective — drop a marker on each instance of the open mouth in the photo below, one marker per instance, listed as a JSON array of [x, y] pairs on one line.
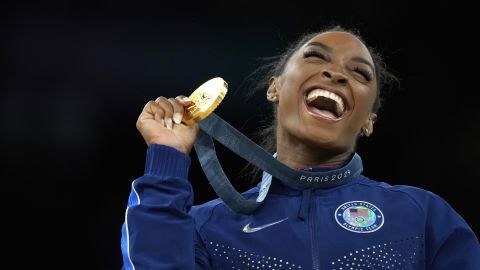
[[325, 104]]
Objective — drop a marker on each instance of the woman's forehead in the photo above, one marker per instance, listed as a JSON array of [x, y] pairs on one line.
[[341, 42]]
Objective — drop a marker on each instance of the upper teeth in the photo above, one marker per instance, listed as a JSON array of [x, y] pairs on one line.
[[312, 95]]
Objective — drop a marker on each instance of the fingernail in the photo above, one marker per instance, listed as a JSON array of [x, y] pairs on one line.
[[177, 117], [169, 123], [186, 99]]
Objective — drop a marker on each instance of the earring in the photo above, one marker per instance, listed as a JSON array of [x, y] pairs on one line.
[[272, 98], [365, 132]]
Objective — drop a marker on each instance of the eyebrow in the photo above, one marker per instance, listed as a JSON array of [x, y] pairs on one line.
[[321, 45], [329, 49]]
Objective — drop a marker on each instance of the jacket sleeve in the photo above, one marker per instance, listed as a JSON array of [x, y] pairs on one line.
[[450, 242], [158, 232]]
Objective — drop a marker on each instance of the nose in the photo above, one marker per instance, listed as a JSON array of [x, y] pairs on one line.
[[335, 76]]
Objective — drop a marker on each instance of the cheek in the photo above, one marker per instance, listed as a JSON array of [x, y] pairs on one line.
[[286, 111], [288, 116], [289, 102], [365, 97], [364, 101]]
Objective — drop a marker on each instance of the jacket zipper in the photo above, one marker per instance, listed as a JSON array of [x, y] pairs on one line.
[[313, 231]]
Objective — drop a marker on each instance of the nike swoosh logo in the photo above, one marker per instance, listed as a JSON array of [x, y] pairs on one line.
[[247, 228]]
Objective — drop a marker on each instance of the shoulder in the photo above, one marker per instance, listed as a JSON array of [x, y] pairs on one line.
[[426, 200], [202, 213], [449, 241]]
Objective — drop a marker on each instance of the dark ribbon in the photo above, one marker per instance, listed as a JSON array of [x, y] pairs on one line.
[[215, 127]]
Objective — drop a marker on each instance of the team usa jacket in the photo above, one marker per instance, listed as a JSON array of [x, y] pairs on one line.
[[362, 224]]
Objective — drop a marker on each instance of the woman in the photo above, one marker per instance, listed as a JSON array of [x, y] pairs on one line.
[[325, 91]]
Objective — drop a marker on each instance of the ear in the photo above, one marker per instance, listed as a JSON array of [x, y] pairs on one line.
[[367, 127], [272, 92]]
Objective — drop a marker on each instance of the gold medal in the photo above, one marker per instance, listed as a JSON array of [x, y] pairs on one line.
[[205, 99]]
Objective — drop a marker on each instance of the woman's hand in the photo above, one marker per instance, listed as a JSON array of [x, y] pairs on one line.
[[161, 123]]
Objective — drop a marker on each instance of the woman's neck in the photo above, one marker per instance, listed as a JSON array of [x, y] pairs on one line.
[[300, 155]]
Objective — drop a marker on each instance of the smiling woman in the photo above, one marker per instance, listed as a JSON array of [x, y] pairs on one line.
[[326, 92], [328, 86]]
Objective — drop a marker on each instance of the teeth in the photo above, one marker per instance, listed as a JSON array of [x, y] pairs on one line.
[[312, 95]]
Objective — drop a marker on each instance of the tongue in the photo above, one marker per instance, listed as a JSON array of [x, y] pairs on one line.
[[324, 113], [324, 106]]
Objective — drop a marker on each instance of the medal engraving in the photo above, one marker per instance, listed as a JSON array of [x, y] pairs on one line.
[[205, 100]]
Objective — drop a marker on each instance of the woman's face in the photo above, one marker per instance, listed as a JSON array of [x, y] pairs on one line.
[[326, 93]]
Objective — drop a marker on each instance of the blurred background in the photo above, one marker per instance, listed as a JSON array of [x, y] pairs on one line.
[[77, 75]]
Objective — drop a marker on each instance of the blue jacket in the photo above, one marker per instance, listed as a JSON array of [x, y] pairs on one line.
[[362, 224]]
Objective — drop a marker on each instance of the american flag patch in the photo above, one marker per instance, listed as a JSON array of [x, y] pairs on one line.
[[359, 212]]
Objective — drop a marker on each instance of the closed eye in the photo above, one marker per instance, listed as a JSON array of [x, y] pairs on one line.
[[316, 54], [365, 73]]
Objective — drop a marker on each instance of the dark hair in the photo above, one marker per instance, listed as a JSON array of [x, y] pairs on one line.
[[275, 66]]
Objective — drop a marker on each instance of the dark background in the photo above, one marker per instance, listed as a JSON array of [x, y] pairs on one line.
[[77, 75]]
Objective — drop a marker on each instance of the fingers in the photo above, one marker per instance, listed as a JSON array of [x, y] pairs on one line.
[[177, 110], [185, 101], [166, 111], [151, 111]]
